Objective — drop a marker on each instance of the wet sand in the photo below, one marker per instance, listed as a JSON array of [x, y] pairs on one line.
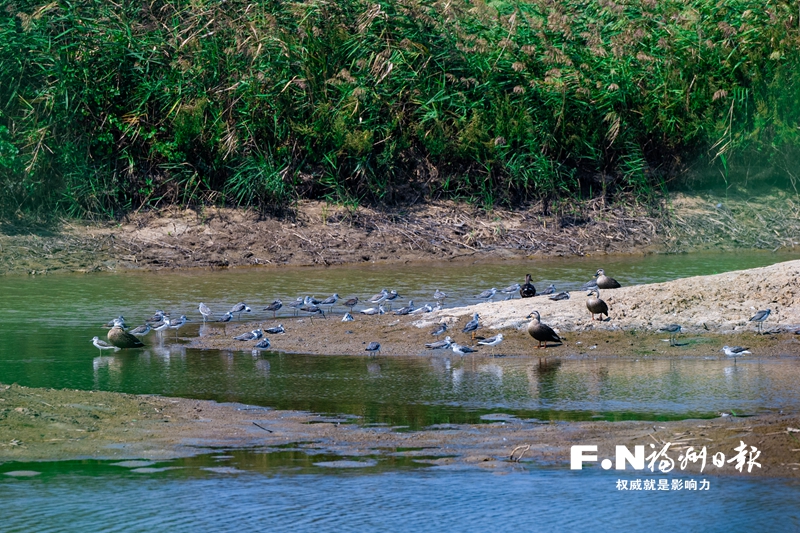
[[47, 424]]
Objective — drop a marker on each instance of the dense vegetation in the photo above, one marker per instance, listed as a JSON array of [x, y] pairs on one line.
[[108, 107]]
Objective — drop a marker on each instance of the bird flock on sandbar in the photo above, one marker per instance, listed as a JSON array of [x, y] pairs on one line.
[[121, 337]]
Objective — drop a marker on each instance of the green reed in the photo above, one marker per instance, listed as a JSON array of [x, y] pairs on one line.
[[106, 108]]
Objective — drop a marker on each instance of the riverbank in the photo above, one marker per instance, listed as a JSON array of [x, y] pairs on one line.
[[47, 425], [712, 311], [318, 233]]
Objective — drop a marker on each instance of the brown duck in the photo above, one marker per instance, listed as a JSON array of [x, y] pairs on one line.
[[595, 305], [121, 339], [541, 332], [604, 282], [527, 290]]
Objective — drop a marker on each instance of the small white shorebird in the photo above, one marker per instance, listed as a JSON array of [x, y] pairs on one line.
[[461, 350], [472, 325], [441, 329], [204, 310], [373, 311], [250, 335], [103, 345], [380, 297], [347, 317], [673, 330], [487, 294], [734, 351], [240, 308], [331, 301], [439, 296], [140, 331], [373, 347], [177, 324], [511, 289], [440, 344], [492, 341]]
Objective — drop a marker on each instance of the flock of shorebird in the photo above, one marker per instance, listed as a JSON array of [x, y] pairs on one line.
[[119, 337]]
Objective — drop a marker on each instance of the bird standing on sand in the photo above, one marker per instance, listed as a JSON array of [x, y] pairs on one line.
[[441, 329], [563, 295], [492, 341], [472, 325], [250, 335], [595, 305], [103, 345], [440, 344], [373, 347], [121, 339], [604, 282], [204, 310], [673, 330], [351, 303], [407, 309], [759, 319], [527, 290], [541, 332], [274, 307]]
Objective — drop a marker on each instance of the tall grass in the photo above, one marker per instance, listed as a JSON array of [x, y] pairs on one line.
[[110, 107]]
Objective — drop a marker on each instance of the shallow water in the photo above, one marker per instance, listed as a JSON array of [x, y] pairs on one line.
[[228, 495], [45, 333]]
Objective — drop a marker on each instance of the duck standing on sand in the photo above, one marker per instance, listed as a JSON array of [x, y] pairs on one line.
[[541, 332], [527, 290], [604, 282], [595, 305]]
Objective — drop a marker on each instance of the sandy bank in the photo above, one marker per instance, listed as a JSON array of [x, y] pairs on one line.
[[47, 424], [713, 310]]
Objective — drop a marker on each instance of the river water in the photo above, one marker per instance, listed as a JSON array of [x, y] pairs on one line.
[[45, 331]]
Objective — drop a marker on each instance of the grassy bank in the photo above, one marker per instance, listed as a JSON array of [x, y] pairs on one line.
[[106, 108]]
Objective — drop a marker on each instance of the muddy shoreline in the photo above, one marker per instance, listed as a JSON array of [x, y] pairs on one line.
[[47, 424], [322, 234]]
